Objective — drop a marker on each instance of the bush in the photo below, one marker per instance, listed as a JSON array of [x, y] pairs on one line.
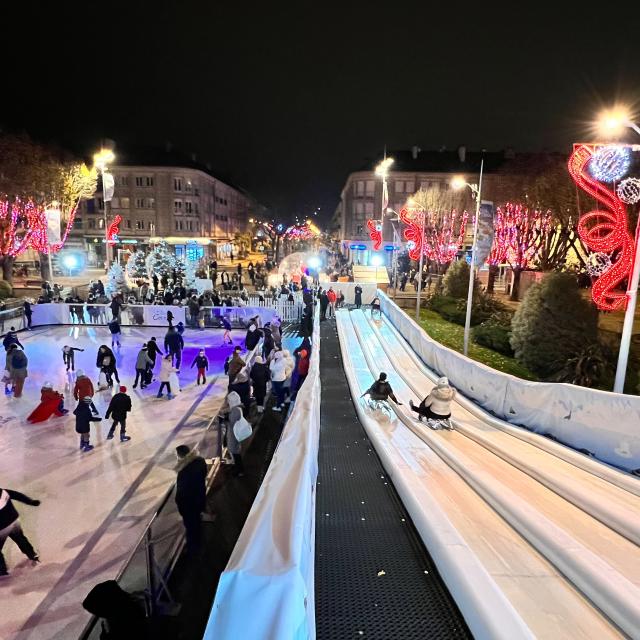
[[6, 290], [455, 310], [455, 282], [495, 333], [588, 368], [552, 325]]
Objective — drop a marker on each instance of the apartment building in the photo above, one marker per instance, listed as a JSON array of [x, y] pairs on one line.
[[169, 197]]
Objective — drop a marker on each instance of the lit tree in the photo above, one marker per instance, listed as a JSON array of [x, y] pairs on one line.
[[161, 261], [137, 266], [115, 280]]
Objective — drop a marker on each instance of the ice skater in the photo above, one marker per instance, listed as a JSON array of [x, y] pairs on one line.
[[144, 365], [11, 338], [202, 362], [51, 404], [436, 407], [84, 388], [69, 356], [10, 527], [119, 406], [174, 344], [227, 331], [106, 362], [116, 332], [84, 418], [166, 369]]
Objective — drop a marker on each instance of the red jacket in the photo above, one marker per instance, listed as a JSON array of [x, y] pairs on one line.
[[303, 364], [331, 295], [83, 388]]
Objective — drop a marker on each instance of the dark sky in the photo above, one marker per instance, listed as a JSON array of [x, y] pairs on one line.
[[287, 98]]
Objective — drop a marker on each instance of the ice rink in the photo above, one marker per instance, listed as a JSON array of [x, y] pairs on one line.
[[95, 505]]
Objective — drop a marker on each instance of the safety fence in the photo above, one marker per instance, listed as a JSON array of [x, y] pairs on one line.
[[267, 588], [601, 423]]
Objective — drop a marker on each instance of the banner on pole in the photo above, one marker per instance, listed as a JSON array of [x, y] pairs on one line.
[[108, 186], [53, 226], [484, 239]]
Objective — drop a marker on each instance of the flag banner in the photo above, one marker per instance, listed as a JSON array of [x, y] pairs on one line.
[[53, 226], [484, 239], [108, 186]]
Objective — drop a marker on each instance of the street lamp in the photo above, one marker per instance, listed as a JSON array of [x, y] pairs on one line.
[[101, 160], [382, 171], [613, 122], [457, 183]]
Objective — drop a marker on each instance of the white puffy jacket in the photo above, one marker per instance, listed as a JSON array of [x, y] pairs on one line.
[[278, 368], [439, 400]]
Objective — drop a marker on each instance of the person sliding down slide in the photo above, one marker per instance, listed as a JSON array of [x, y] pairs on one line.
[[436, 407], [380, 391]]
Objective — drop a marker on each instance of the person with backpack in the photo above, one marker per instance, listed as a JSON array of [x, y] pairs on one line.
[[18, 363], [84, 418], [202, 363], [68, 356], [10, 527], [11, 338], [143, 363], [118, 408], [83, 389], [116, 334]]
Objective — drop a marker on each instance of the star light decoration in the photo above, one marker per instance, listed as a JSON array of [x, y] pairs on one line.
[[629, 190], [598, 263], [603, 230], [610, 163]]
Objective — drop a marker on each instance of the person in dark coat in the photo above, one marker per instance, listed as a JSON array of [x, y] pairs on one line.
[[381, 390], [27, 313], [116, 306], [268, 344], [259, 378], [358, 296], [84, 418], [324, 303], [153, 350], [68, 356], [118, 408], [106, 362], [10, 526], [11, 338], [174, 344], [155, 283], [202, 363], [235, 364], [191, 492], [253, 337]]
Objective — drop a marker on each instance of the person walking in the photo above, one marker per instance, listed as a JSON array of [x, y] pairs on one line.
[[118, 408], [18, 362], [259, 377], [116, 333], [28, 312], [191, 493], [10, 527], [166, 369], [143, 364], [302, 369], [324, 303], [234, 403], [277, 368], [84, 418], [83, 389], [331, 296], [174, 344], [68, 356], [202, 363], [358, 296]]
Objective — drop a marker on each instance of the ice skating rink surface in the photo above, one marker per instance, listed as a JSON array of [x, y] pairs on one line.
[[95, 505]]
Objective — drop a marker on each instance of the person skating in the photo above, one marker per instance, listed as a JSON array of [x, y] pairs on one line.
[[11, 338], [83, 388], [174, 344], [17, 362], [227, 331], [381, 390], [28, 313], [51, 404], [116, 333], [253, 337], [143, 364], [358, 296], [191, 493], [106, 362], [118, 408], [153, 350], [69, 356], [10, 526], [166, 369], [259, 377], [84, 418], [202, 363], [437, 405]]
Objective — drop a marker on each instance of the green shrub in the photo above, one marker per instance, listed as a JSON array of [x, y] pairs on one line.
[[588, 368], [6, 290], [455, 282], [495, 333], [455, 310], [552, 325]]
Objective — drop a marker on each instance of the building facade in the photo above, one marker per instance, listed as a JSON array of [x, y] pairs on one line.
[[195, 212]]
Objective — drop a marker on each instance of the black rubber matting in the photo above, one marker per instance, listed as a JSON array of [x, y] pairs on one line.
[[374, 578]]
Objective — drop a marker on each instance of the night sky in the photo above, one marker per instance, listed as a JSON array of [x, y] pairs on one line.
[[287, 98]]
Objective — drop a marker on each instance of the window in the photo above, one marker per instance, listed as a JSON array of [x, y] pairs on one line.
[[225, 201], [368, 208], [370, 187], [197, 208], [122, 181], [149, 181], [115, 203], [176, 225], [100, 223], [359, 186], [100, 203], [124, 203], [359, 229], [127, 224], [139, 224], [358, 209], [177, 184], [405, 186], [149, 203], [139, 181], [189, 225], [177, 206], [180, 224], [92, 223], [188, 187], [188, 207], [91, 206], [78, 223], [140, 203]]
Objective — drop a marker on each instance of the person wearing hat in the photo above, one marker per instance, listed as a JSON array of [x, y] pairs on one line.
[[83, 388], [143, 362], [51, 404], [191, 492], [381, 390], [84, 418], [118, 408], [202, 363], [259, 377], [437, 405]]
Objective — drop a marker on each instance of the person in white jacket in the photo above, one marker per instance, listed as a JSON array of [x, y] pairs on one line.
[[289, 366], [437, 405], [278, 368], [166, 369]]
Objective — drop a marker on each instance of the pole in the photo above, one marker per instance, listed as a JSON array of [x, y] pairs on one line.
[[106, 230], [467, 321], [394, 257], [424, 217], [50, 265], [629, 315]]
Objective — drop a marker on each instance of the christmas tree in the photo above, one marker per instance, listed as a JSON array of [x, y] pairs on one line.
[[137, 266], [161, 261], [115, 280], [189, 278]]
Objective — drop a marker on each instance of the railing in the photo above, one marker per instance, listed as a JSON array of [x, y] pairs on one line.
[[12, 318]]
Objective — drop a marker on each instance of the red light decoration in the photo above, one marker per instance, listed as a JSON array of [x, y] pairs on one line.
[[604, 232], [114, 230], [375, 233], [413, 232]]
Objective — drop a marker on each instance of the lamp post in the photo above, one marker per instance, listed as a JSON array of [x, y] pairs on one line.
[[613, 123], [382, 170], [420, 264], [101, 160], [476, 190]]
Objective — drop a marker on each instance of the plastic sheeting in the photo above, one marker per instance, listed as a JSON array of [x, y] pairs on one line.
[[603, 423], [267, 589]]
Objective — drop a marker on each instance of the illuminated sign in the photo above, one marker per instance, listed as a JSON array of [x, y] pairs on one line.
[[358, 247]]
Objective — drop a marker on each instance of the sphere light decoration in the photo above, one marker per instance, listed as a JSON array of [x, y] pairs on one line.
[[598, 263], [610, 163], [629, 191]]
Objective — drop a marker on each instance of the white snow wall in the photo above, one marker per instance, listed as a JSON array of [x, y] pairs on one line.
[[603, 423]]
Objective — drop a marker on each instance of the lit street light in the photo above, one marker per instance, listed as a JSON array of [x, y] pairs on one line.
[[613, 122], [382, 171], [101, 160], [458, 183]]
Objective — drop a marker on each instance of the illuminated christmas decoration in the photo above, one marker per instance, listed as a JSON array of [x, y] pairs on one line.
[[603, 231], [114, 230], [375, 233], [413, 232], [610, 163], [629, 190], [598, 263], [136, 266]]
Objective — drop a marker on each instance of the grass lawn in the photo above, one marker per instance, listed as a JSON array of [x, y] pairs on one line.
[[452, 335]]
